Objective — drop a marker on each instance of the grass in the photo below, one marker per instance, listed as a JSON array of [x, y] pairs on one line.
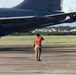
[[29, 39], [61, 39]]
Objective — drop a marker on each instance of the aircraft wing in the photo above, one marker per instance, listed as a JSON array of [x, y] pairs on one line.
[[8, 20], [51, 18], [62, 15]]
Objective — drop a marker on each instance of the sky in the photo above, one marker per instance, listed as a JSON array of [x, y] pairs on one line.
[[9, 3], [68, 6]]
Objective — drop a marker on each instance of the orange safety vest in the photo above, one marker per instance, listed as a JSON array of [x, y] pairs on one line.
[[37, 41]]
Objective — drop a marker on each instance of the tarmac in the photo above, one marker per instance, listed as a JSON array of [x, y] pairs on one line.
[[56, 59]]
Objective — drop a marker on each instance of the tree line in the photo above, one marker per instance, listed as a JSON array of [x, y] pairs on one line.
[[42, 33]]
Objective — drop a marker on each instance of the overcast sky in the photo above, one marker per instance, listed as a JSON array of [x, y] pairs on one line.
[[69, 5], [9, 3]]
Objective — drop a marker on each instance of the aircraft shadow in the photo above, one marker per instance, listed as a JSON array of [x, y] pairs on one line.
[[31, 50]]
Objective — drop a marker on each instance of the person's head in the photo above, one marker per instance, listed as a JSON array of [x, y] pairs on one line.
[[38, 35]]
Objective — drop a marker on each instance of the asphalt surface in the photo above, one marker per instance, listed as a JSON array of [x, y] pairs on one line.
[[55, 60]]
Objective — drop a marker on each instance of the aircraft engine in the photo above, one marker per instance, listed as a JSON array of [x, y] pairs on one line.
[[73, 17]]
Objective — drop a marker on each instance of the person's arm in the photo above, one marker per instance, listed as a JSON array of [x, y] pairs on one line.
[[42, 38], [34, 44]]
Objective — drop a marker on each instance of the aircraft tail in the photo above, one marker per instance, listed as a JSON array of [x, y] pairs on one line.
[[42, 5]]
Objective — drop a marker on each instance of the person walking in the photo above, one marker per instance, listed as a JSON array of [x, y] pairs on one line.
[[38, 46]]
